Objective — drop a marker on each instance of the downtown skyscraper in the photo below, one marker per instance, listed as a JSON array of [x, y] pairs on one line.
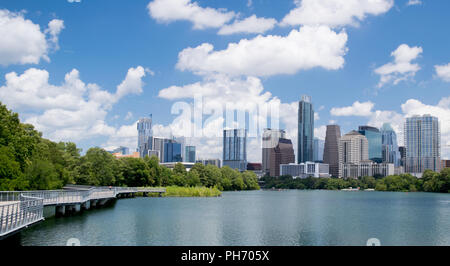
[[235, 149], [423, 144], [305, 151], [145, 136], [277, 150], [331, 150], [390, 149]]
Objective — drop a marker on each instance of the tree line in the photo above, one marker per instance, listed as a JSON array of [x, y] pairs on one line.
[[30, 162], [430, 182]]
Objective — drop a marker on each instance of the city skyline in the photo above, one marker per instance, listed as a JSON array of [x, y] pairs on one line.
[[94, 83]]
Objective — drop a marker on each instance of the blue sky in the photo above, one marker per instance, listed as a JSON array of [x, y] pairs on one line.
[[344, 60]]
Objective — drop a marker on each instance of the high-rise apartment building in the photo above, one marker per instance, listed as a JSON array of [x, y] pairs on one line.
[[423, 144], [390, 150], [144, 127], [331, 150], [374, 138], [305, 151], [235, 148]]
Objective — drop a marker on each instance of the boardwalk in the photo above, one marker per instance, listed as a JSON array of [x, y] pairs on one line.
[[20, 209]]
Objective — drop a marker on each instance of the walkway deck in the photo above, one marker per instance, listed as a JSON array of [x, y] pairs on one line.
[[20, 209]]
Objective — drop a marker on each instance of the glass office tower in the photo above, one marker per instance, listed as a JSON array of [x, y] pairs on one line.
[[390, 150], [235, 149], [189, 156], [144, 127], [373, 135], [172, 152], [305, 152], [423, 144]]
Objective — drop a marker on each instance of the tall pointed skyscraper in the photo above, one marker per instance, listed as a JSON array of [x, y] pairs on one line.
[[145, 136], [305, 152], [331, 151]]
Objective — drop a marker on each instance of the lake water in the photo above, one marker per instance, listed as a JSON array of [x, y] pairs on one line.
[[275, 218]]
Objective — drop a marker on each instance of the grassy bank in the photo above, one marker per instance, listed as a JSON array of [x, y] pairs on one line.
[[175, 191]]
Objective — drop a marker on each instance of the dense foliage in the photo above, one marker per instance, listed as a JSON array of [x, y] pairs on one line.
[[430, 182], [30, 162]]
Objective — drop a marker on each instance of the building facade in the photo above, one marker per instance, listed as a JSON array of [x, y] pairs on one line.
[[172, 152], [215, 162], [235, 149], [331, 149], [319, 146], [305, 170], [189, 154], [374, 138], [423, 144], [144, 127], [402, 151], [283, 153], [305, 151], [270, 140], [367, 168], [390, 149], [353, 149]]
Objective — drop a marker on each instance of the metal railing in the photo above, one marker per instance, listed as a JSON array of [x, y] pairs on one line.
[[19, 209], [15, 215]]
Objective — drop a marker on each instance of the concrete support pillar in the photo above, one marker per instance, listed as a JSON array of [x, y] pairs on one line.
[[86, 205], [94, 203], [49, 211], [77, 207], [61, 210]]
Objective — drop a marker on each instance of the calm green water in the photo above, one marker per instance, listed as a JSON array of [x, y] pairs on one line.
[[258, 218]]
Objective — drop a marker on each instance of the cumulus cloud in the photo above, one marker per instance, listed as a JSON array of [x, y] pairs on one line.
[[54, 29], [70, 111], [302, 49], [166, 11], [251, 24], [357, 109], [335, 12], [402, 68], [74, 1], [23, 42], [443, 72], [238, 93]]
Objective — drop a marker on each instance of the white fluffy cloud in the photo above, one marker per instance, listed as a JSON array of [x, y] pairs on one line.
[[71, 111], [251, 24], [335, 12], [443, 72], [23, 42], [302, 49], [54, 29], [401, 68], [243, 94], [166, 11], [357, 109]]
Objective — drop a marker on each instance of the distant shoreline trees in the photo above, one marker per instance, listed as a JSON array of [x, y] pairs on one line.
[[30, 162], [430, 182]]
